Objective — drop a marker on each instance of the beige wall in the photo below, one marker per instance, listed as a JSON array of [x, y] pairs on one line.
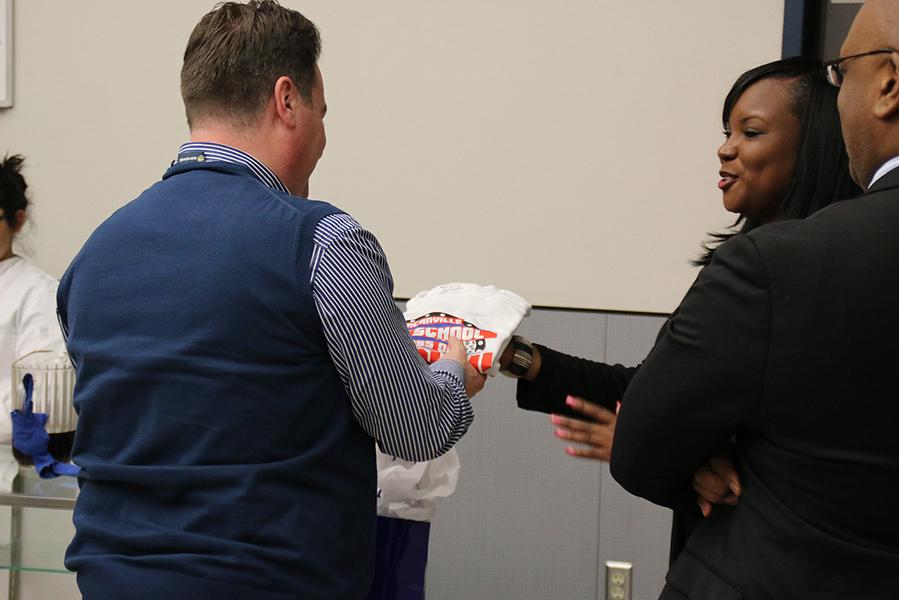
[[565, 150]]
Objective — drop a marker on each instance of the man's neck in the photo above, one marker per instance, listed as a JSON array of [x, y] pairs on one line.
[[257, 145], [226, 138]]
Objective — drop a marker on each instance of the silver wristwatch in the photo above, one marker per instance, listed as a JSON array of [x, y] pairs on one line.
[[522, 357]]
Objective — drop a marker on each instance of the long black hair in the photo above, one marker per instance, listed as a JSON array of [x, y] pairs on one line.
[[821, 175], [12, 189]]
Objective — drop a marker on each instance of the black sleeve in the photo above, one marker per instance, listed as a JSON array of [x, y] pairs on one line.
[[701, 383], [562, 375]]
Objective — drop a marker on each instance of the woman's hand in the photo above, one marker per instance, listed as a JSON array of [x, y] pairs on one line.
[[598, 433], [716, 482]]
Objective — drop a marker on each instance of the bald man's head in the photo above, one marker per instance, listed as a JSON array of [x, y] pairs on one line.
[[869, 96], [876, 25]]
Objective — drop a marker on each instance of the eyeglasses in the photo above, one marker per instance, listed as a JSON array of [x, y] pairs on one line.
[[835, 72]]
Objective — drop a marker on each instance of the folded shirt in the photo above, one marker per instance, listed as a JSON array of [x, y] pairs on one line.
[[483, 317]]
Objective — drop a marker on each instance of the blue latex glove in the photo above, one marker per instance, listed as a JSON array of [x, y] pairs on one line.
[[29, 433], [29, 436]]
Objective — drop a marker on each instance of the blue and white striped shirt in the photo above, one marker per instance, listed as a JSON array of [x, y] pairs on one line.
[[413, 411]]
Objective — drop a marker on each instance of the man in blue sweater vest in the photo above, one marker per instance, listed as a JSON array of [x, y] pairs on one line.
[[238, 350]]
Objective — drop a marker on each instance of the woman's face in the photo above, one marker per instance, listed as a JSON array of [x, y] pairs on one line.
[[8, 232], [759, 153]]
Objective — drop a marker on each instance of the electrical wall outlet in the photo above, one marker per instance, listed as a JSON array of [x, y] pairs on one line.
[[619, 580]]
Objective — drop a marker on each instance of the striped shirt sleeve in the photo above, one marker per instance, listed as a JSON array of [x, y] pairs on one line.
[[415, 412]]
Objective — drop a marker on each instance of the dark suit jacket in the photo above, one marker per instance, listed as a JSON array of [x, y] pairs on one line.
[[790, 341]]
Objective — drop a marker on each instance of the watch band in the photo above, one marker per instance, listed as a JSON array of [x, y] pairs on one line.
[[522, 357]]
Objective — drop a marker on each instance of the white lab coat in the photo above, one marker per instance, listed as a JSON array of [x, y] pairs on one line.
[[27, 323]]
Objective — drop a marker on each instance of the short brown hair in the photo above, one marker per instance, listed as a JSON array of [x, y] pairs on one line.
[[237, 52]]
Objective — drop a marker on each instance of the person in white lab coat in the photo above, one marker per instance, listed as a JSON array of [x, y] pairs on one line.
[[27, 304]]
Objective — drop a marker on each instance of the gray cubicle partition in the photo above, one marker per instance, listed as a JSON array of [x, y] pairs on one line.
[[835, 20], [528, 522], [817, 28]]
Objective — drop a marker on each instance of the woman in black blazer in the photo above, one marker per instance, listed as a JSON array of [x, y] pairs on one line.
[[783, 158]]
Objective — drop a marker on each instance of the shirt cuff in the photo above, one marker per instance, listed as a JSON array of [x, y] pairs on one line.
[[450, 367]]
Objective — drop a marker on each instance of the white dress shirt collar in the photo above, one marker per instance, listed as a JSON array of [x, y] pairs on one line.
[[211, 151], [886, 168]]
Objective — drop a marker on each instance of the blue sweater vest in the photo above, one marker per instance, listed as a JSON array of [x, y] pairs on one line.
[[221, 458]]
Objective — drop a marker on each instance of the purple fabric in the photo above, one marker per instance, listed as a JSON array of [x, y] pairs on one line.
[[400, 560]]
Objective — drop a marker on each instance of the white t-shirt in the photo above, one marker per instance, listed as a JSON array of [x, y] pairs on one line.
[[483, 317]]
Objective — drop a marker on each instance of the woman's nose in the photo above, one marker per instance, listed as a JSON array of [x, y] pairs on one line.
[[727, 150]]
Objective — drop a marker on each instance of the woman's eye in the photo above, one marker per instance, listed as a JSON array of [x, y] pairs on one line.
[[751, 133]]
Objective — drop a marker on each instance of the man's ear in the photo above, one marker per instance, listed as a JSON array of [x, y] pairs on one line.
[[888, 102], [286, 99]]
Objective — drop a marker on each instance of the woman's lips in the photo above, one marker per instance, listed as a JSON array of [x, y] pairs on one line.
[[726, 181]]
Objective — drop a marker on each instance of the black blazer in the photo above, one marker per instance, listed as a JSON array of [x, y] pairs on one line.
[[562, 374], [789, 341]]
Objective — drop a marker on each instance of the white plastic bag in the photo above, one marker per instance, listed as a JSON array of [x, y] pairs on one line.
[[409, 490]]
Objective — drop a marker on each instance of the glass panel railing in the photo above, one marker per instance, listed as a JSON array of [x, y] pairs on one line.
[[40, 523], [33, 554]]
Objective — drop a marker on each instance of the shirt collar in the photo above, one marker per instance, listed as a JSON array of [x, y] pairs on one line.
[[220, 152], [886, 168]]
